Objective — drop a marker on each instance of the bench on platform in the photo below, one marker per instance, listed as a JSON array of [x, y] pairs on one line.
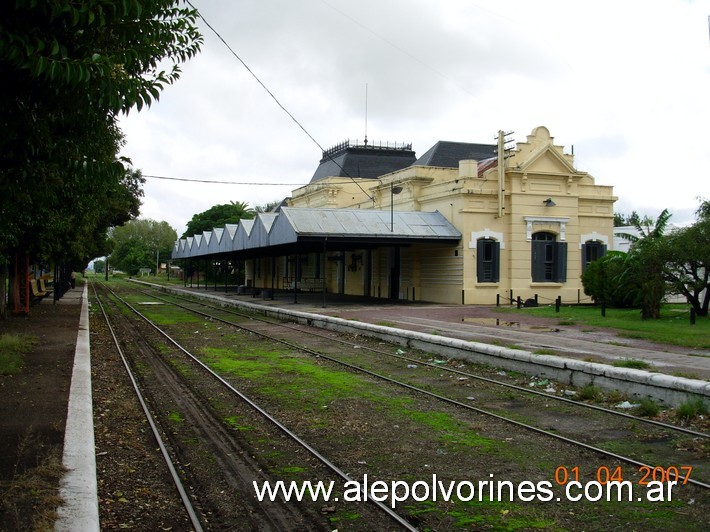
[[37, 294], [43, 286]]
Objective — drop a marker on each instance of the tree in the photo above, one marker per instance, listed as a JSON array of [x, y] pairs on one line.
[[644, 273], [218, 216], [687, 270], [68, 68], [139, 243], [602, 281], [267, 207]]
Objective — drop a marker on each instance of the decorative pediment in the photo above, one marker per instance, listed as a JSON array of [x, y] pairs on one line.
[[540, 155]]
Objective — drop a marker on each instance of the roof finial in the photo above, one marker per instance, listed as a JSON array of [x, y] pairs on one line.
[[365, 114]]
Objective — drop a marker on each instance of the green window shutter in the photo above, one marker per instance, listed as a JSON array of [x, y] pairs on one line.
[[561, 262], [496, 262], [538, 260]]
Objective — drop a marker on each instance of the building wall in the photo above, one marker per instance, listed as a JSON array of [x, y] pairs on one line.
[[468, 197]]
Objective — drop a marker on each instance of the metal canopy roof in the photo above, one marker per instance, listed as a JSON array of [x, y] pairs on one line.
[[298, 229]]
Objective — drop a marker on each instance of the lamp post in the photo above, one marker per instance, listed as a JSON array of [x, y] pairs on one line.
[[393, 190]]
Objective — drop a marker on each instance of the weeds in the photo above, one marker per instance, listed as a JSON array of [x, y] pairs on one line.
[[28, 500], [691, 409], [590, 393], [12, 347], [647, 408], [631, 363]]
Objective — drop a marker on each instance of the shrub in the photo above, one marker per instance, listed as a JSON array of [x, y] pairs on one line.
[[692, 408], [590, 393], [647, 408]]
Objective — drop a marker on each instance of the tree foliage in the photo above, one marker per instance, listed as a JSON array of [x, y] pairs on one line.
[[602, 281], [645, 265], [687, 261], [218, 216], [659, 262], [140, 243], [68, 69]]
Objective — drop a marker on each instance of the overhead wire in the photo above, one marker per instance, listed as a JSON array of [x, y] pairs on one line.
[[273, 97], [214, 181], [250, 183]]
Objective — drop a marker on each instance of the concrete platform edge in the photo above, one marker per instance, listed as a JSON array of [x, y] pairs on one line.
[[78, 489], [636, 383]]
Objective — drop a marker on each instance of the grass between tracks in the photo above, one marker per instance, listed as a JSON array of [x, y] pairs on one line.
[[348, 410]]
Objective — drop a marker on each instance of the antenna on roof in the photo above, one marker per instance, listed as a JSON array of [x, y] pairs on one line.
[[365, 114]]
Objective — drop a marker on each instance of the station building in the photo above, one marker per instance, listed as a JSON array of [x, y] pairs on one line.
[[462, 224]]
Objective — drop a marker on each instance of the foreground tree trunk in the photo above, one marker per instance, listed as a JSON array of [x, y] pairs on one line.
[[3, 289]]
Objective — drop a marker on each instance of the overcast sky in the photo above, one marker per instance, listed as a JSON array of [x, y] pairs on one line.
[[624, 82]]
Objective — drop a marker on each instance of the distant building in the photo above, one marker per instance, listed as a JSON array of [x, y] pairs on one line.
[[460, 224]]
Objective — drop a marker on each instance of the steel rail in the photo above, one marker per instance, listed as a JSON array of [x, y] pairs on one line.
[[322, 459], [448, 400], [187, 503], [488, 380]]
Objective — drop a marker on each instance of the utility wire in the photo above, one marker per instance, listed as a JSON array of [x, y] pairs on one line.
[[276, 99], [210, 181]]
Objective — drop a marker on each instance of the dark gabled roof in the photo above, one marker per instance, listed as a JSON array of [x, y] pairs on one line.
[[367, 161], [448, 154]]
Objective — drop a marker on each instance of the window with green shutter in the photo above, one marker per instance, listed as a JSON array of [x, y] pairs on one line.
[[487, 260]]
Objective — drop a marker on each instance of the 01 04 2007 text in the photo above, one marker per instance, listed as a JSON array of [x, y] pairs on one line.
[[605, 474]]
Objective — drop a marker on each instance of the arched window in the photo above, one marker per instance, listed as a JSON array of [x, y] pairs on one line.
[[487, 260], [549, 258], [591, 251]]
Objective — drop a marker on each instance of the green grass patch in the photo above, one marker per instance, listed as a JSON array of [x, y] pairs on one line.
[[647, 408], [162, 314], [486, 515], [310, 387], [590, 393], [282, 375], [545, 351], [12, 347], [290, 470], [692, 408], [672, 328], [175, 417], [233, 422], [631, 363], [451, 431]]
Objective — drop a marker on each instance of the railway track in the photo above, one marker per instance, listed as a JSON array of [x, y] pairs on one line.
[[657, 431], [239, 471], [457, 389]]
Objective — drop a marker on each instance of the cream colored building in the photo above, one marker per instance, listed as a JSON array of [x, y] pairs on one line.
[[528, 230], [519, 224]]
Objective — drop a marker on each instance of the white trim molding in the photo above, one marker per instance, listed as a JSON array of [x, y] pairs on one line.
[[486, 233], [561, 221], [595, 237]]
